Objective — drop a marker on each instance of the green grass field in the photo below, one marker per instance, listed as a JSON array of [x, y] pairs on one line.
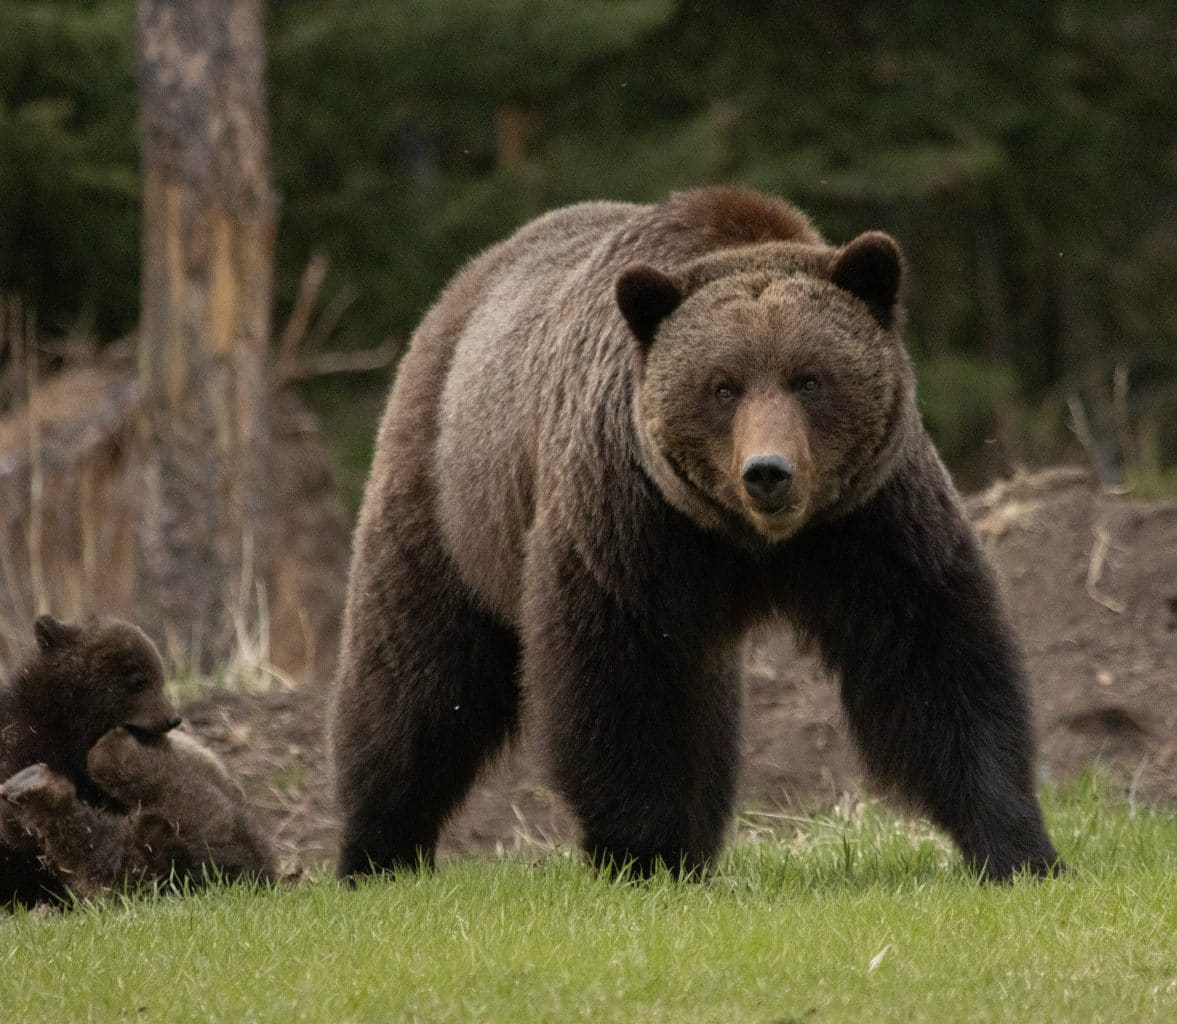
[[847, 917]]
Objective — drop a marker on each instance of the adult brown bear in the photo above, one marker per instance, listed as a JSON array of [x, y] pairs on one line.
[[618, 440]]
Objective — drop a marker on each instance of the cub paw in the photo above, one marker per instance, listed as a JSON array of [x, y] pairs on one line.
[[113, 756], [37, 784], [129, 766]]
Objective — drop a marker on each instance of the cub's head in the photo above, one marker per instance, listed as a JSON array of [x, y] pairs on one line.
[[107, 670], [773, 384]]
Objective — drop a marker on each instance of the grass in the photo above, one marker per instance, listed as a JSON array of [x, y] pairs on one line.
[[849, 917]]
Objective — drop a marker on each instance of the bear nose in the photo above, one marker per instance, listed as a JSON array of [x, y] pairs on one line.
[[767, 479]]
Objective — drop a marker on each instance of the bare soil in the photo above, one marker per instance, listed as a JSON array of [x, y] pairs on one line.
[[1091, 582]]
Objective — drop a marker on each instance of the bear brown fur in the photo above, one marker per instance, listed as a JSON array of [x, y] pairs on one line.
[[620, 439], [80, 681], [183, 819]]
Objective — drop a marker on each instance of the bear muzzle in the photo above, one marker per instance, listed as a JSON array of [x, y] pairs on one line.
[[773, 495], [153, 718], [767, 481], [771, 472]]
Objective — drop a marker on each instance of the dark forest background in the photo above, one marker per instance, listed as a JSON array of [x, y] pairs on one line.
[[1024, 154]]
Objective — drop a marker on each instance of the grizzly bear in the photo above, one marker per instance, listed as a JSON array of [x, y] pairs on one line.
[[620, 439], [184, 820], [80, 681]]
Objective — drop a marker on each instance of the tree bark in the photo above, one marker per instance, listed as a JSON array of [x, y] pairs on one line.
[[209, 217]]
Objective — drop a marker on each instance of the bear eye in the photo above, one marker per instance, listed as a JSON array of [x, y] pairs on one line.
[[726, 392], [808, 384]]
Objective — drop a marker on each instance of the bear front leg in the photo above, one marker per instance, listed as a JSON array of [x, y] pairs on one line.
[[89, 848], [426, 693], [639, 720], [906, 611]]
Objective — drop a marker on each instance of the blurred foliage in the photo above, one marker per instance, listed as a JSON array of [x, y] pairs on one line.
[[1023, 154], [68, 163]]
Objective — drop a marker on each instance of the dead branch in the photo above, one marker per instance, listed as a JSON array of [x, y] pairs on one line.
[[330, 317], [1120, 410], [1095, 565], [36, 469], [328, 363], [1101, 461], [309, 286]]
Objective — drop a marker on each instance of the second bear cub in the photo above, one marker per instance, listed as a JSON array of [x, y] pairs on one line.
[[185, 819]]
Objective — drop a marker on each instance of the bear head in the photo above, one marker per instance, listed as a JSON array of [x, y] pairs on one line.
[[773, 388], [96, 675]]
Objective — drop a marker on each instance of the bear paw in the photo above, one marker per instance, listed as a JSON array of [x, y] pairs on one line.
[[114, 756], [36, 784], [130, 767]]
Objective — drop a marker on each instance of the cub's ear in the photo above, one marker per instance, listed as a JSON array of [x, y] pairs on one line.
[[871, 267], [52, 633], [646, 297]]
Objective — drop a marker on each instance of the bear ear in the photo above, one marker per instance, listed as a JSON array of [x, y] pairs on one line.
[[646, 297], [52, 633], [871, 267]]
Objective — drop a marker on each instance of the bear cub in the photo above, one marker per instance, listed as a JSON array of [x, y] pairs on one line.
[[81, 680], [621, 439], [88, 698], [185, 820]]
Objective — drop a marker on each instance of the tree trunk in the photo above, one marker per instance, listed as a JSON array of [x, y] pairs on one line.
[[208, 239]]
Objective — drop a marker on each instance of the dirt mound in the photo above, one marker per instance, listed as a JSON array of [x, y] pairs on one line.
[[1092, 587]]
